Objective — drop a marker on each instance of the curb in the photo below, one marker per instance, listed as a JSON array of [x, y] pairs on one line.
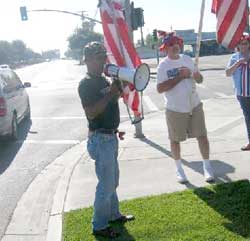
[[43, 219], [56, 214]]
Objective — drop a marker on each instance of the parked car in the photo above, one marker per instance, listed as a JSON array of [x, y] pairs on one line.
[[14, 102]]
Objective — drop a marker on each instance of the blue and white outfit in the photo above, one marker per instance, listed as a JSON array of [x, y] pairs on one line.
[[241, 80]]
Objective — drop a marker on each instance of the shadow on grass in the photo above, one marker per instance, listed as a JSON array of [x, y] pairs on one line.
[[124, 234], [232, 201]]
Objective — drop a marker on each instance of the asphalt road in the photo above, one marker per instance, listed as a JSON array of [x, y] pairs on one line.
[[58, 122]]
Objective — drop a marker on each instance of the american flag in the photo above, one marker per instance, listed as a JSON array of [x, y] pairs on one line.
[[231, 20], [118, 43]]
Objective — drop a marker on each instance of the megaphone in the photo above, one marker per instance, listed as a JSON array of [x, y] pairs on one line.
[[139, 77]]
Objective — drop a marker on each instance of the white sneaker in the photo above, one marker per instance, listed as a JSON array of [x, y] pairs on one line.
[[208, 171], [181, 177]]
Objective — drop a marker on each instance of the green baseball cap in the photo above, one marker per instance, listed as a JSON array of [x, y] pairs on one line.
[[93, 48]]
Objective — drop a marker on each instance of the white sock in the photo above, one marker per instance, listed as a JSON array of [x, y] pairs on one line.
[[206, 162], [178, 164]]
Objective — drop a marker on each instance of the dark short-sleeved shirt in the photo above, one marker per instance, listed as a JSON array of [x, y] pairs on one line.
[[92, 89]]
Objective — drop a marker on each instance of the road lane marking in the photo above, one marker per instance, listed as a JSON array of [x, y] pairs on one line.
[[150, 103], [51, 142], [66, 117], [220, 94], [202, 86], [60, 118]]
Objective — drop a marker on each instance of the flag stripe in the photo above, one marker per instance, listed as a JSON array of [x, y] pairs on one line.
[[222, 11], [227, 20], [233, 33], [126, 40], [231, 20], [117, 41], [216, 4], [239, 31], [111, 43]]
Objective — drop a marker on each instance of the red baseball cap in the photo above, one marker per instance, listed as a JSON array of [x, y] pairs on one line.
[[244, 37], [170, 40]]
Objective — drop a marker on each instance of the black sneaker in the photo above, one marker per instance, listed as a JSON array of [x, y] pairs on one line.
[[123, 219], [106, 233]]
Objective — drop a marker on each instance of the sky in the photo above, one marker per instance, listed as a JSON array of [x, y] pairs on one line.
[[50, 30]]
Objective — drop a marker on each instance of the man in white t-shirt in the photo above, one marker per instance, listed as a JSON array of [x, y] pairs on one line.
[[176, 78]]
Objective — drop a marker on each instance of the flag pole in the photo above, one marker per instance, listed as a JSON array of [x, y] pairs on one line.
[[138, 124], [198, 44], [199, 34]]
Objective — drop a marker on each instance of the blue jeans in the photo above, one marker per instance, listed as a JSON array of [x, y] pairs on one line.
[[103, 148], [245, 106]]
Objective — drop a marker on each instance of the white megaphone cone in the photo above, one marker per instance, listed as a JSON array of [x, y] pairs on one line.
[[139, 77]]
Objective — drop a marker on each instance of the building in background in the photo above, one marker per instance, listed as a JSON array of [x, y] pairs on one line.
[[209, 45]]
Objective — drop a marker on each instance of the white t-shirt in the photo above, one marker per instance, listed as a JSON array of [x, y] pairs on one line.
[[183, 97]]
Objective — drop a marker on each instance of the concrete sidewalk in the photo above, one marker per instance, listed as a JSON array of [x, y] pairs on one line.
[[146, 168]]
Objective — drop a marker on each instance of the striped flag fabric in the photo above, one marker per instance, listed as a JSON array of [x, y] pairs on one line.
[[245, 80], [118, 43], [231, 21]]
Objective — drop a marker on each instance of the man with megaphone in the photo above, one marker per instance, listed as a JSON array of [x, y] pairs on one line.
[[176, 78], [99, 99]]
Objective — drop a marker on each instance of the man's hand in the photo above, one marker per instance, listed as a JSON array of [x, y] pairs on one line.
[[184, 73], [231, 69], [197, 77], [121, 135], [242, 61], [115, 89]]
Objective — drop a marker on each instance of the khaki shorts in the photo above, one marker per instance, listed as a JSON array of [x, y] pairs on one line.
[[183, 125]]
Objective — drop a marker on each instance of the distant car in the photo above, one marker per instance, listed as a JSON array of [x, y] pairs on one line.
[[189, 53], [14, 102]]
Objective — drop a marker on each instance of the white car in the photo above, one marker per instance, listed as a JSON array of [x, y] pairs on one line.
[[14, 102]]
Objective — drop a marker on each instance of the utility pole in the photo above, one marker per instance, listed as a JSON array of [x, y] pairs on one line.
[[127, 11], [127, 8], [155, 39], [142, 40]]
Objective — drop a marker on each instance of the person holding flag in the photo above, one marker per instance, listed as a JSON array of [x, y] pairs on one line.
[[239, 68], [184, 111]]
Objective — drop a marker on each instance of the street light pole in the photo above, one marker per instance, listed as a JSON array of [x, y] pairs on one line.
[[67, 12], [138, 126]]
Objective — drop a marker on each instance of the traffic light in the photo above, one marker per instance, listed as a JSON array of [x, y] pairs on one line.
[[23, 12], [137, 17], [155, 35]]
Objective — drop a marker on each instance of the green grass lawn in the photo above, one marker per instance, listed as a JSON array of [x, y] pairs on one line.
[[214, 213]]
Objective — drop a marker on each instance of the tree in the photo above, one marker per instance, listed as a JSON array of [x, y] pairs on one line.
[[16, 53], [5, 52], [80, 38], [149, 40], [18, 50]]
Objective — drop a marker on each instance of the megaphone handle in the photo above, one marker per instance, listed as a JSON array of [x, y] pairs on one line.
[[137, 121], [118, 84]]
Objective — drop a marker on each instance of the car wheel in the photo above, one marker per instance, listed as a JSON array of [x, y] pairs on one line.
[[14, 128]]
